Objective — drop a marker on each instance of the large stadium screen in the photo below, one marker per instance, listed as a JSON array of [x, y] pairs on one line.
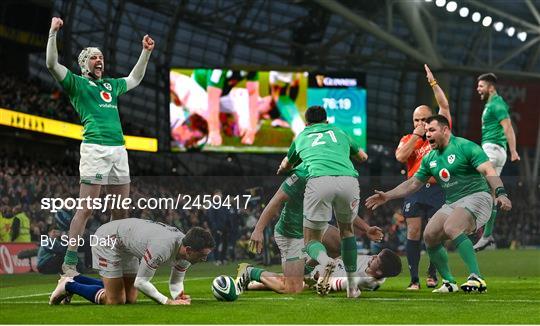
[[227, 110], [343, 95]]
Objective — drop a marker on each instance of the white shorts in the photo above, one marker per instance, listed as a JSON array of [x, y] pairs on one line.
[[104, 165], [496, 154], [292, 248], [478, 204], [340, 193], [289, 248], [112, 262]]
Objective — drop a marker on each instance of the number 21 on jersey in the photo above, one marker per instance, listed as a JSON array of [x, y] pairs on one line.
[[319, 135]]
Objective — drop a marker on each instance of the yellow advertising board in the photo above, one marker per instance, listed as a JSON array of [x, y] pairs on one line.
[[36, 123]]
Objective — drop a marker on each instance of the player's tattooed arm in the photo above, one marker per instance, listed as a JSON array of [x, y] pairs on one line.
[[496, 184], [51, 57], [407, 187]]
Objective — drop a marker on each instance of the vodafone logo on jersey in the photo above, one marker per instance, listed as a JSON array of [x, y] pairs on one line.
[[444, 174], [106, 96]]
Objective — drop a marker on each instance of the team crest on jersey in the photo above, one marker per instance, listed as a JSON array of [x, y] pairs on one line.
[[105, 96], [451, 158], [92, 83], [107, 86], [444, 174]]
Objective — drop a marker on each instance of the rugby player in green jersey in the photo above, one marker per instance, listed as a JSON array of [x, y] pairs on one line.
[[287, 202], [332, 186], [497, 134], [104, 158], [463, 170]]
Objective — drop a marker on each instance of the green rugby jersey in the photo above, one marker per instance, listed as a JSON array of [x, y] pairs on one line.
[[290, 223], [325, 150], [495, 111], [96, 101], [454, 168]]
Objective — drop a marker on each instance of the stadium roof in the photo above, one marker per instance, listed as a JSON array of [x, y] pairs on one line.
[[389, 40]]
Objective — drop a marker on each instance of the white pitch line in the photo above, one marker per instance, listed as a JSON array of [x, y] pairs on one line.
[[329, 298]]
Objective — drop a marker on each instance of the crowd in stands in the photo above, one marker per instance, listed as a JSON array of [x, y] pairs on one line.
[[32, 96], [25, 180]]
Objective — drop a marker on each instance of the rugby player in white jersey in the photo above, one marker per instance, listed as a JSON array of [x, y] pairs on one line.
[[127, 258]]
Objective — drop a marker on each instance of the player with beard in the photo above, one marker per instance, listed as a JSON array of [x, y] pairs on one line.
[[104, 158], [497, 135], [463, 170], [421, 205]]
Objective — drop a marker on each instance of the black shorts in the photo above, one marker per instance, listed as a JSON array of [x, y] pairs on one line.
[[424, 203]]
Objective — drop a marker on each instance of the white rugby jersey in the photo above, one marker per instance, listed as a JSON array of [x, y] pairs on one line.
[[154, 243]]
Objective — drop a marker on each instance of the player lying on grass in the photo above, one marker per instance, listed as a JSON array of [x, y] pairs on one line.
[[130, 241], [371, 272], [461, 168], [288, 234]]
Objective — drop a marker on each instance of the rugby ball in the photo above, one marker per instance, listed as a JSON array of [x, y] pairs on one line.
[[224, 288]]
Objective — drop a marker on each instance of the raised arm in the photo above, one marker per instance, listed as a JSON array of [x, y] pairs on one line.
[[511, 138], [268, 214], [442, 101], [51, 57], [137, 73]]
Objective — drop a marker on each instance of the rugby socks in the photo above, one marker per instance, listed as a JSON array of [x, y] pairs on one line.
[[349, 254], [255, 273], [317, 251], [439, 257], [467, 254], [308, 269], [71, 258], [413, 258], [91, 293], [488, 229], [88, 280], [432, 270]]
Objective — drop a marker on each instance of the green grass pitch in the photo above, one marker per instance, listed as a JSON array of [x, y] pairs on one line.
[[513, 297]]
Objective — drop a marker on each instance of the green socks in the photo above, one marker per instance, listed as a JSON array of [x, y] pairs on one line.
[[308, 269], [466, 252], [71, 258], [439, 256], [317, 251], [349, 254], [255, 274], [488, 228]]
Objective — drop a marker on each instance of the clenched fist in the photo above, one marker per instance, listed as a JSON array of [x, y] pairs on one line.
[[56, 24], [148, 43]]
